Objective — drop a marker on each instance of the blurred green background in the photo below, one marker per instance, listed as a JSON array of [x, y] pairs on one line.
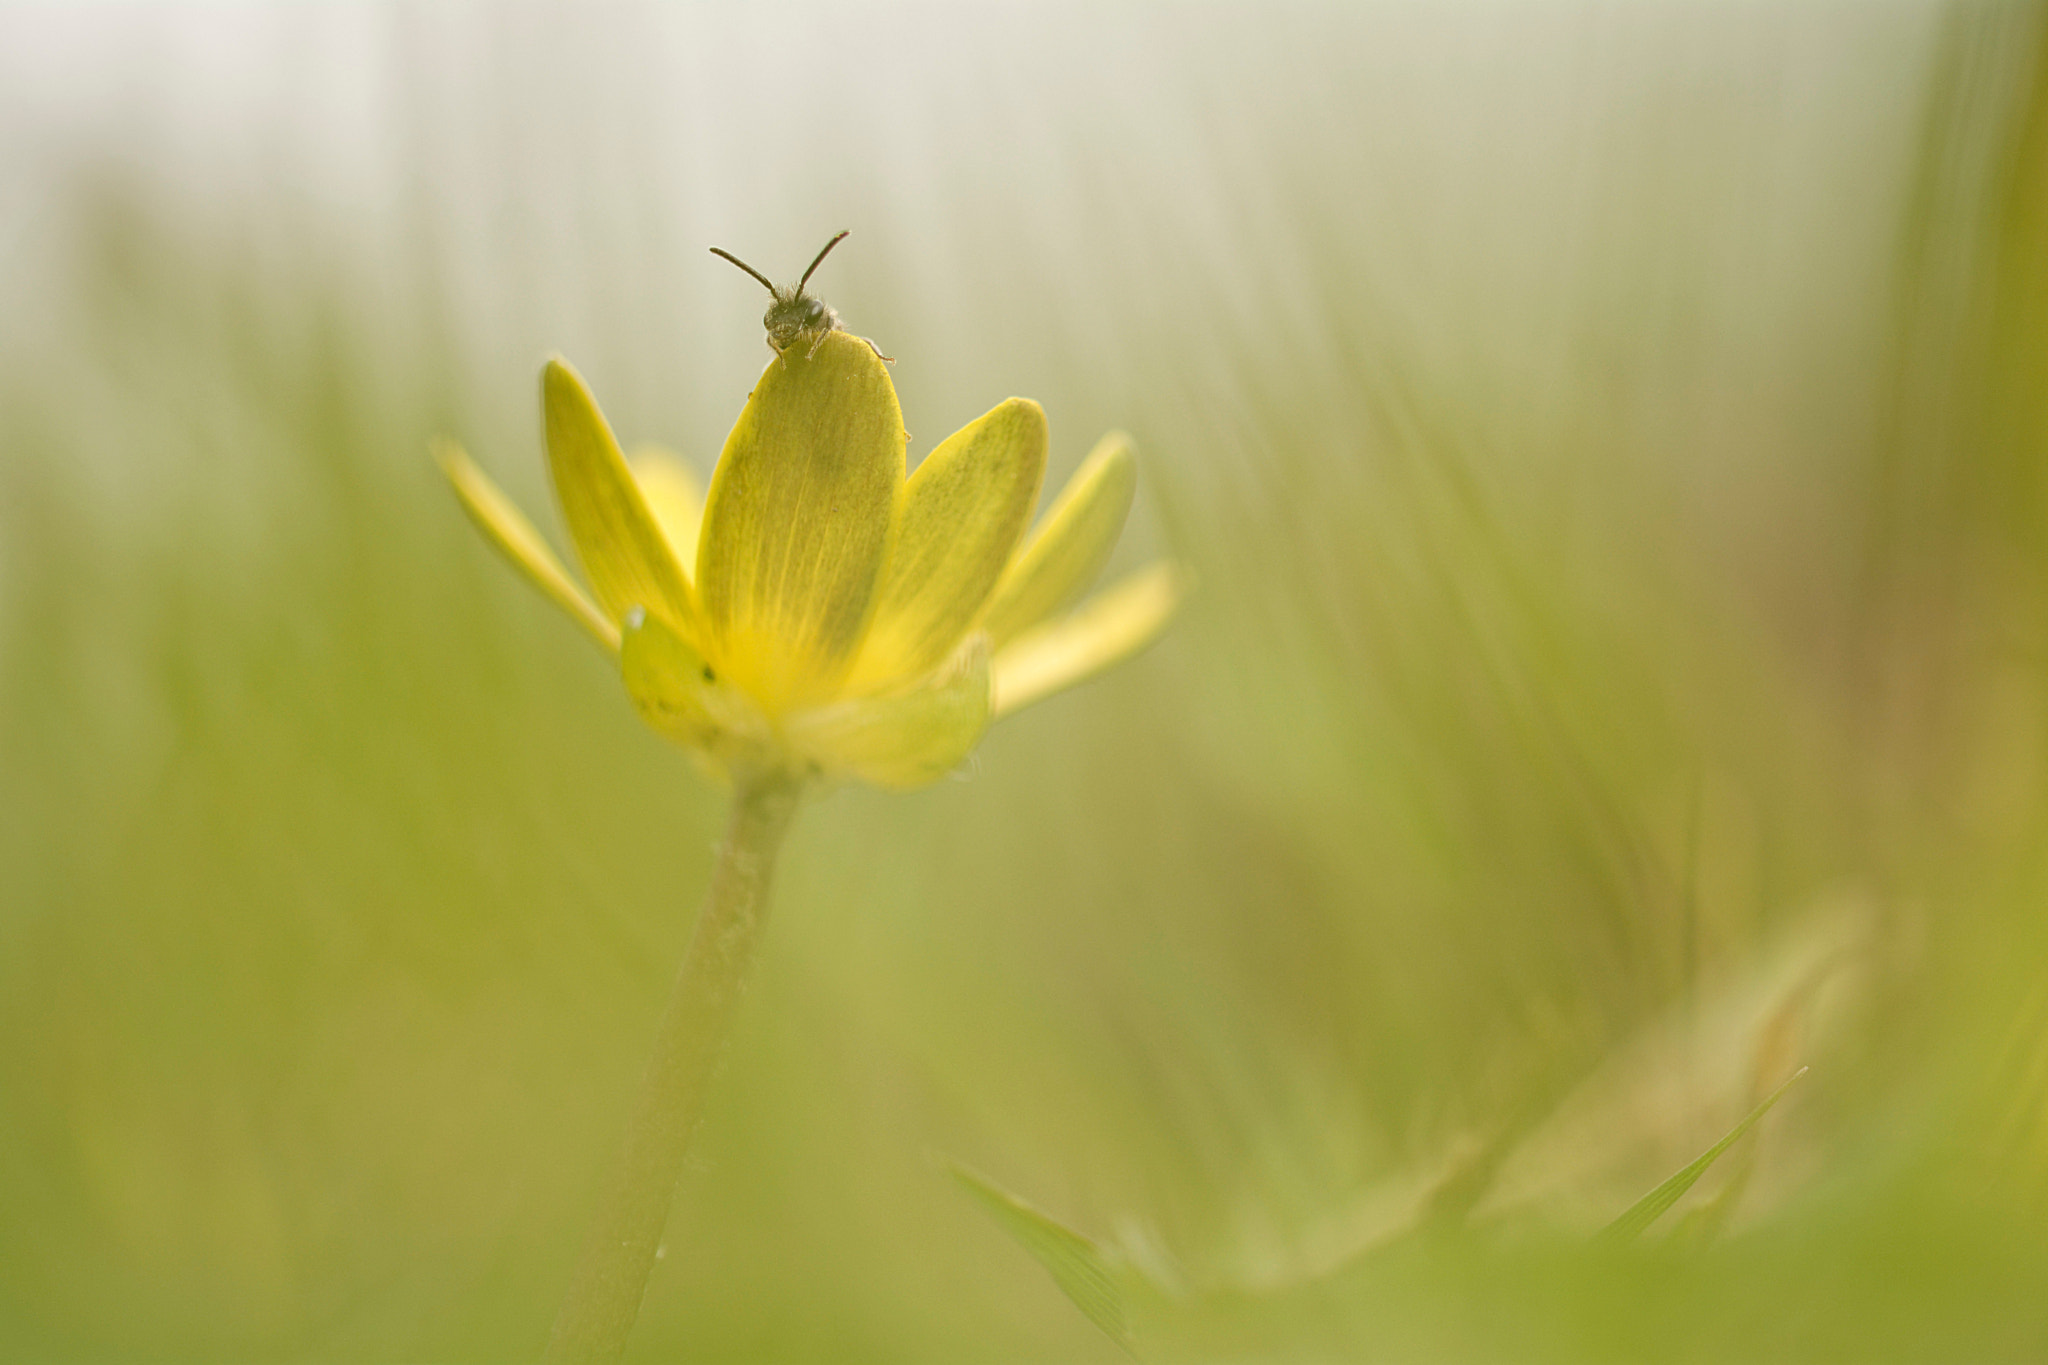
[[1613, 444]]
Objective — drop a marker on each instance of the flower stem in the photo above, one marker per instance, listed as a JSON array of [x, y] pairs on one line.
[[604, 1297]]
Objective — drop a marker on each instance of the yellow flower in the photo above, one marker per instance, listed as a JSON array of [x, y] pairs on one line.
[[817, 613]]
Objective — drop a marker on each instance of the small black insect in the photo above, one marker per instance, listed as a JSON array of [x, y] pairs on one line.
[[796, 314]]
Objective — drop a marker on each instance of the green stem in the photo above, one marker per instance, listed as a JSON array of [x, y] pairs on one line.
[[604, 1297]]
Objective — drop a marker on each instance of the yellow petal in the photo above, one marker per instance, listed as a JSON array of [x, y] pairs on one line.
[[676, 690], [667, 679], [1070, 546], [507, 528], [675, 495], [964, 511], [798, 522], [623, 551], [904, 739], [1107, 629]]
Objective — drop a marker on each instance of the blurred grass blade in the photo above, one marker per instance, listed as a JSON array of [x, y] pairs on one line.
[[1075, 1263], [1651, 1206]]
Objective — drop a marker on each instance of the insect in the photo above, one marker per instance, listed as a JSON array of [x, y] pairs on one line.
[[797, 314]]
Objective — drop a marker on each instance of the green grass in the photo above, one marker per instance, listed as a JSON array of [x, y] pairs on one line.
[[1609, 446]]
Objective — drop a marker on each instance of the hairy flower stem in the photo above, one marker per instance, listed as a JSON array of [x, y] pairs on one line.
[[604, 1297]]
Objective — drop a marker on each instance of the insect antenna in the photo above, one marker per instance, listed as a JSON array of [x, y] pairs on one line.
[[768, 283], [822, 253]]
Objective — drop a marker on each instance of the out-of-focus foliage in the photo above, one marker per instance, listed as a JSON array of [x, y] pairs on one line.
[[1610, 443]]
